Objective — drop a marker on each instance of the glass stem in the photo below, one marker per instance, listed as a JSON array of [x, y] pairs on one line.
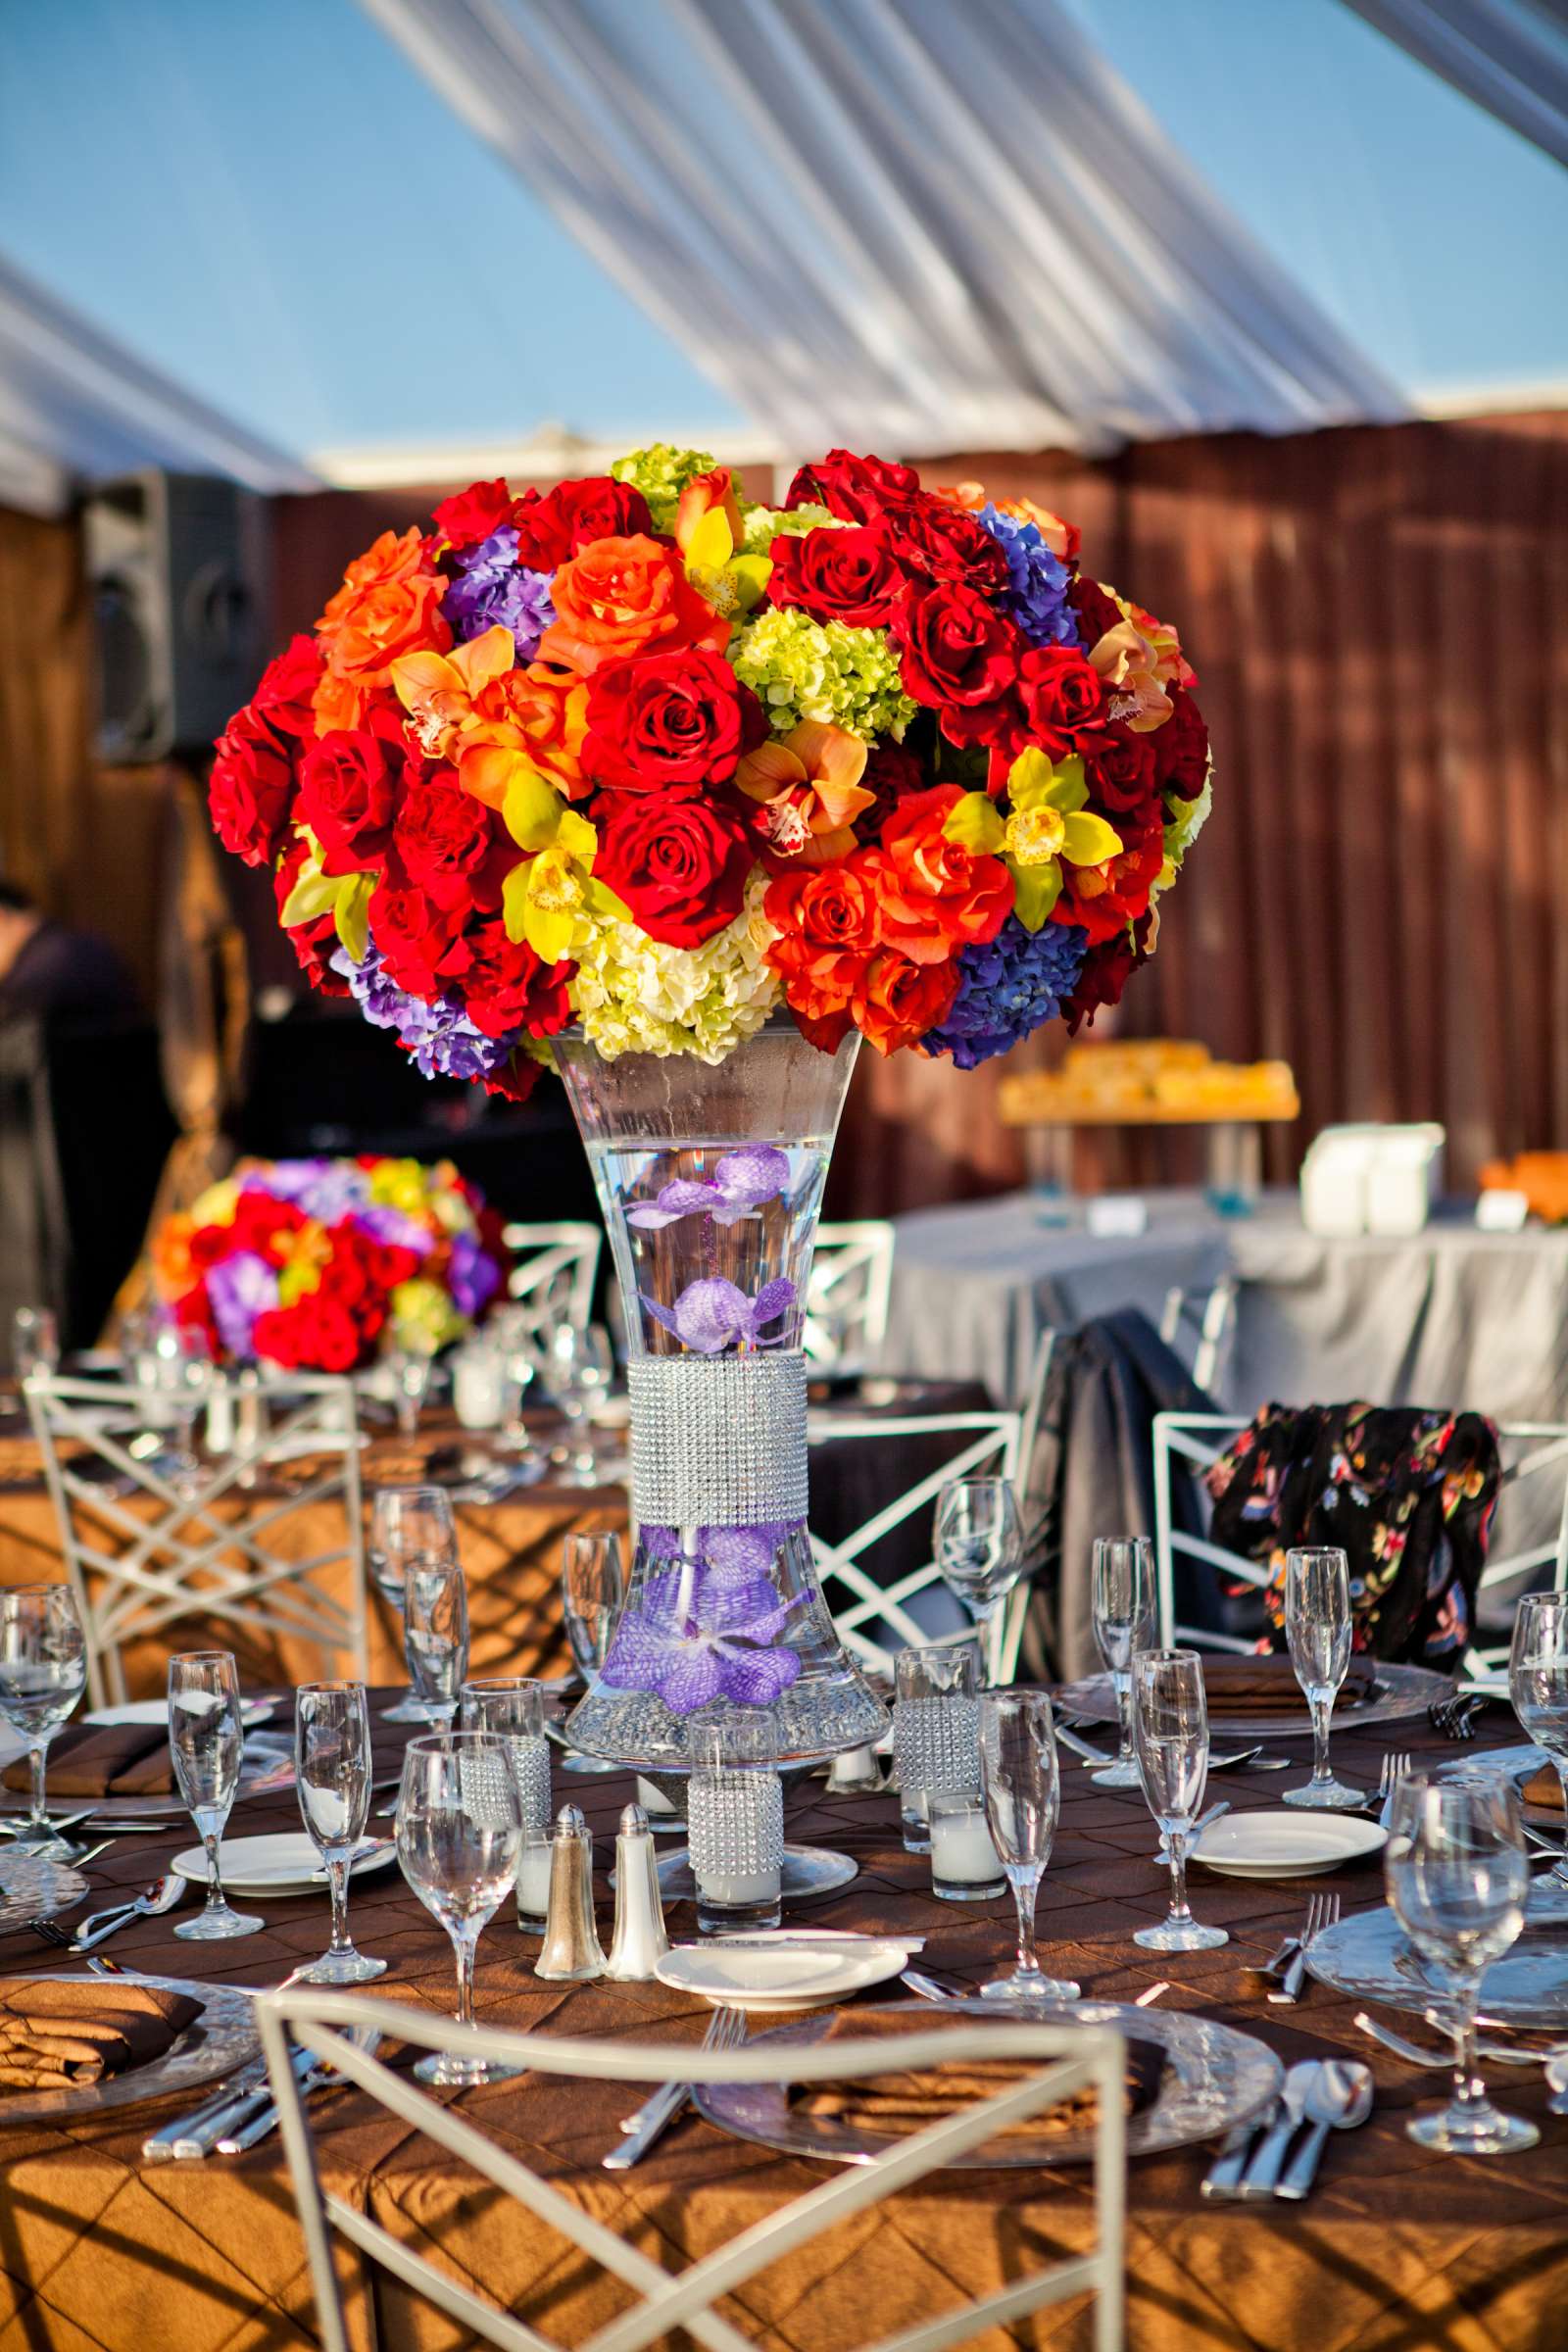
[[1123, 1684], [1025, 1894], [214, 1877], [1469, 2092], [337, 1879], [465, 1949], [1176, 1847], [1561, 1763], [1322, 1708], [38, 1758]]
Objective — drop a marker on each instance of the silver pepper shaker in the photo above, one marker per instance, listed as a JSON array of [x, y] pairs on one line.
[[571, 1951], [640, 1941]]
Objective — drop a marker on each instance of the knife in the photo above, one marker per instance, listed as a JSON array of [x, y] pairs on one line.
[[160, 2147], [321, 2074], [1223, 2178], [1084, 1749], [1295, 1978], [1262, 2174], [200, 2139], [659, 2110]]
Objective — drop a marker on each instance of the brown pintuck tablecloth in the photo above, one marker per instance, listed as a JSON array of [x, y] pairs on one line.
[[1400, 2249]]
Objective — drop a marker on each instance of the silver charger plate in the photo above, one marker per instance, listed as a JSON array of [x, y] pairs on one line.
[[1407, 1690], [1214, 2079], [267, 1768], [1371, 1957], [1516, 1764], [32, 1888], [221, 2039], [805, 1870]]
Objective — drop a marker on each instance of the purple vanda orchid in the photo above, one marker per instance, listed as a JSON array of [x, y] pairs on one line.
[[709, 1631], [713, 1315], [741, 1182]]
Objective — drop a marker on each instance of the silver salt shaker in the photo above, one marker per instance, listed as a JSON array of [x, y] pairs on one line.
[[640, 1941]]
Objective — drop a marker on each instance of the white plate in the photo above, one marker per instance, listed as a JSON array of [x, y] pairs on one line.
[[285, 1864], [256, 1712], [787, 1976], [1278, 1845]]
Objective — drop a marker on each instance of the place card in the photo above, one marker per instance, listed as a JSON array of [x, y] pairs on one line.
[[1117, 1216], [1501, 1211]]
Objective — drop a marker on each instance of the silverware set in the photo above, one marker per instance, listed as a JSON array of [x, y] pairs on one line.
[[1069, 1734], [727, 2032], [1287, 1969], [1325, 2094], [1440, 2058], [1455, 1717], [99, 1926], [242, 2110]]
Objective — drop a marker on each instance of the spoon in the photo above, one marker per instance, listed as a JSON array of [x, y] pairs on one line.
[[102, 1924], [1338, 2099]]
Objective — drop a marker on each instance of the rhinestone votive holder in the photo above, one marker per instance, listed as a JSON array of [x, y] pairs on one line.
[[735, 1838], [530, 1768], [936, 1730]]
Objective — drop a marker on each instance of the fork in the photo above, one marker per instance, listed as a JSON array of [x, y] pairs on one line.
[[1456, 1718], [1397, 1767], [727, 2032], [1322, 1911]]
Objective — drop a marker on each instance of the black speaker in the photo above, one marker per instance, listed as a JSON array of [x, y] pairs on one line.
[[177, 567]]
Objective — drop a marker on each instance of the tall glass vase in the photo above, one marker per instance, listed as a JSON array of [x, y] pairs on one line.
[[711, 1182]]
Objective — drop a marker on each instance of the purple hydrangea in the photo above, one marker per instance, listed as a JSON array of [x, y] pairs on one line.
[[442, 1040], [472, 1275], [320, 1187], [492, 588], [1011, 984], [238, 1290], [1037, 595]]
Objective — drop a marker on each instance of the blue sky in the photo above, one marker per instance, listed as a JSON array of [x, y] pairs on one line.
[[265, 201]]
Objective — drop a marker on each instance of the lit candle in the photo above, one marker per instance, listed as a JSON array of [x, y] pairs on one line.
[[533, 1883], [477, 1387], [964, 1861], [736, 1887]]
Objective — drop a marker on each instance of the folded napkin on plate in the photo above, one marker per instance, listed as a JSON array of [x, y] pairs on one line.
[[907, 2101], [1267, 1685], [1544, 1788], [57, 2036], [108, 1759]]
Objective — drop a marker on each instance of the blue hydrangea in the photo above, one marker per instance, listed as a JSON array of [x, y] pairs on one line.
[[1012, 985], [1037, 597], [440, 1037], [492, 588]]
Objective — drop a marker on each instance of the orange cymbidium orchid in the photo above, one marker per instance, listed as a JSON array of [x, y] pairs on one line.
[[1061, 537], [1139, 660], [492, 721], [439, 691], [808, 785]]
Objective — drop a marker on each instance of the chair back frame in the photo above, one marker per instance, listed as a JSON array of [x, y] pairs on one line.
[[1212, 1316], [187, 1560], [555, 1267], [851, 1277], [1069, 2058]]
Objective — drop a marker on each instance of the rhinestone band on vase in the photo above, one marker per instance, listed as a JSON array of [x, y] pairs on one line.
[[717, 1441]]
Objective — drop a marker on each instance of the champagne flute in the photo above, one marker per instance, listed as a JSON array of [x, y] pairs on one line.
[[34, 1340], [408, 1523], [1170, 1737], [43, 1672], [332, 1774], [1022, 1788], [460, 1834], [206, 1742], [435, 1634], [1124, 1624], [978, 1542], [582, 1364], [1318, 1626], [593, 1592], [1537, 1679], [1458, 1881]]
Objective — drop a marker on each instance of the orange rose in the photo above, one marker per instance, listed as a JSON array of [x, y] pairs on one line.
[[934, 895], [389, 604], [896, 1002], [174, 1267], [621, 597]]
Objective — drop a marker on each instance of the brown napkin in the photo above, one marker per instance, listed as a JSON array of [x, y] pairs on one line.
[[111, 1759], [1267, 1685], [1544, 1788], [906, 2101], [56, 2037]]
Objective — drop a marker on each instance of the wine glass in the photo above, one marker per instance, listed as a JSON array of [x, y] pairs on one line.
[[460, 1834], [1124, 1624], [1537, 1679], [582, 1364], [43, 1672], [34, 1340], [183, 1375], [435, 1632], [1022, 1788], [408, 1523], [1318, 1626], [332, 1774], [1170, 1737], [206, 1742], [978, 1541], [593, 1590], [1457, 1879]]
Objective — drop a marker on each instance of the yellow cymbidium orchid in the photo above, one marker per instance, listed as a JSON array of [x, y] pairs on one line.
[[549, 892], [709, 529], [1048, 825], [438, 691]]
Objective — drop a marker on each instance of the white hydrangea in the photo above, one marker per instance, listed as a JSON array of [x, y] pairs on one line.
[[633, 994]]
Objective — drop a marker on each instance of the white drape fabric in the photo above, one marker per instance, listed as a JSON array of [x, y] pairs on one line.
[[913, 225], [1510, 56], [74, 403]]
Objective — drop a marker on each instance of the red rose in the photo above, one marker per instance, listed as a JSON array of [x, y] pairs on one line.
[[1121, 770], [680, 864], [1180, 747], [288, 684], [317, 1334], [897, 1001], [959, 651], [668, 722], [1106, 899], [855, 489], [542, 542], [413, 932], [504, 985], [935, 897], [850, 575], [315, 943], [514, 1080], [1097, 610], [1106, 973], [448, 845], [939, 542], [1061, 698], [474, 513], [351, 788], [892, 770], [598, 508], [251, 790]]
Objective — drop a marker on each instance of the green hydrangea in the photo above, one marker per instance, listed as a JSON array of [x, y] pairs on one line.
[[1186, 819], [635, 995], [661, 473], [803, 668], [764, 525]]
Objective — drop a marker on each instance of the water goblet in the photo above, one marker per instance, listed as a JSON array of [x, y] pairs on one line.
[[1124, 1624], [459, 1838], [182, 1374], [435, 1632], [512, 1707], [978, 1545], [1537, 1679], [593, 1592], [1318, 1626], [408, 1523], [582, 1364], [207, 1744], [410, 1369], [34, 1340], [1458, 1881], [332, 1774], [1022, 1788], [1170, 1737], [43, 1672]]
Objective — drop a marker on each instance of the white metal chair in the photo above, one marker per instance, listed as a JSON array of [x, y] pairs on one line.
[[136, 1571], [1069, 2059], [1205, 1321], [1196, 1439], [553, 1270], [848, 1295]]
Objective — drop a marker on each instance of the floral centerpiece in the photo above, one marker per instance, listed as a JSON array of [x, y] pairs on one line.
[[315, 1263]]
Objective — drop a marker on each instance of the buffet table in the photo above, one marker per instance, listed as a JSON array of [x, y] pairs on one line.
[[1398, 2250]]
